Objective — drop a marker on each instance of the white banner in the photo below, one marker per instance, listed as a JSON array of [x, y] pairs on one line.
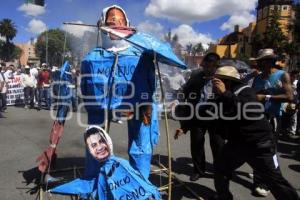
[[15, 92]]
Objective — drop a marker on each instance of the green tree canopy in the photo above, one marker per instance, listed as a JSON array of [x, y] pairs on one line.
[[8, 30], [198, 48], [54, 39], [274, 37]]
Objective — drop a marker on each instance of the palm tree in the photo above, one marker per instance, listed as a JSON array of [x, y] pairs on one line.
[[198, 49], [189, 48], [8, 29]]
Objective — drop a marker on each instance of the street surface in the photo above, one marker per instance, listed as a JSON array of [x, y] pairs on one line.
[[24, 135]]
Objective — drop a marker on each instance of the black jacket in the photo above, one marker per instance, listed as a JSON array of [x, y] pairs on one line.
[[192, 94], [243, 130]]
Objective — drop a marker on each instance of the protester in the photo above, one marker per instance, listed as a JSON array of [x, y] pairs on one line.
[[44, 81], [2, 90], [290, 110], [6, 74], [250, 137], [198, 89], [28, 81], [111, 170], [273, 87]]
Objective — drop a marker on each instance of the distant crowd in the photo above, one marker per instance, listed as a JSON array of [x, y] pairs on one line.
[[39, 84]]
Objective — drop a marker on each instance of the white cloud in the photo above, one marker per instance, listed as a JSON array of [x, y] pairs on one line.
[[2, 38], [202, 10], [36, 26], [242, 19], [187, 35], [155, 29], [77, 31], [31, 9]]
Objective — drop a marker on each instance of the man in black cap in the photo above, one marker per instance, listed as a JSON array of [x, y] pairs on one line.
[[249, 137]]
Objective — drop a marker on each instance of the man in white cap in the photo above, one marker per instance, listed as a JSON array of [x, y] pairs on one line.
[[29, 82], [249, 137]]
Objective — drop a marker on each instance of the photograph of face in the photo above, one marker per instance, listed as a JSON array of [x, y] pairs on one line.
[[115, 17], [98, 147]]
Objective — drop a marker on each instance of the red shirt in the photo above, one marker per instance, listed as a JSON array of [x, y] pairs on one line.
[[43, 78]]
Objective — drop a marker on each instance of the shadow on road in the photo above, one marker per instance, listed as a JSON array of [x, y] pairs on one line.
[[64, 170]]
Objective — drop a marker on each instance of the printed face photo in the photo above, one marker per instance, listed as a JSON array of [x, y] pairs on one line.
[[98, 147], [115, 17]]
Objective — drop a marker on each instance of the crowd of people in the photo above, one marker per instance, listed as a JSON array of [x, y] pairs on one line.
[[268, 96], [243, 116], [40, 86]]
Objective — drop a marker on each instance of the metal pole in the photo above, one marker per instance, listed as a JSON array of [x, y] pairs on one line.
[[167, 130], [47, 47]]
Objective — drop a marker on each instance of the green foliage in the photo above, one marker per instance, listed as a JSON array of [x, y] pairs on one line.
[[198, 48], [243, 57], [256, 43], [8, 30], [55, 40], [274, 37], [172, 40], [293, 48], [295, 27], [8, 51]]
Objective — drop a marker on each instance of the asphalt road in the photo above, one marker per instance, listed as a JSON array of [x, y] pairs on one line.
[[24, 135]]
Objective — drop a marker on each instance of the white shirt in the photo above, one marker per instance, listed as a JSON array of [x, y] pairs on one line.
[[28, 80], [3, 79], [176, 81]]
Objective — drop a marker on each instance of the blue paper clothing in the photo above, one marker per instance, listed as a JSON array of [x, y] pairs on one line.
[[64, 92], [116, 180], [103, 85]]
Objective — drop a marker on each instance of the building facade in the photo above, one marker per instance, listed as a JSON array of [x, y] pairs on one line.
[[28, 55], [238, 43]]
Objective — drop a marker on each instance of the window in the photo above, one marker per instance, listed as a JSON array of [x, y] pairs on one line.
[[284, 7]]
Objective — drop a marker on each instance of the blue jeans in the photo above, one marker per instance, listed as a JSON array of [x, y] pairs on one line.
[[44, 94]]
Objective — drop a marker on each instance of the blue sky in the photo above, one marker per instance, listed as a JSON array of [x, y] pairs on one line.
[[195, 20]]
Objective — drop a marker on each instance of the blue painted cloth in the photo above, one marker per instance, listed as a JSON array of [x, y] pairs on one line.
[[102, 82], [116, 180], [64, 92], [150, 45], [104, 86], [271, 86]]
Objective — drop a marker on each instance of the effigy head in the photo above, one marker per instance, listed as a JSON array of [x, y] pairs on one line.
[[114, 16], [98, 142]]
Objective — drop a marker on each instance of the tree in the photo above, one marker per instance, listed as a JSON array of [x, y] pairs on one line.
[[198, 49], [256, 43], [53, 41], [274, 37], [173, 41], [189, 48], [293, 48], [8, 30], [295, 26]]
